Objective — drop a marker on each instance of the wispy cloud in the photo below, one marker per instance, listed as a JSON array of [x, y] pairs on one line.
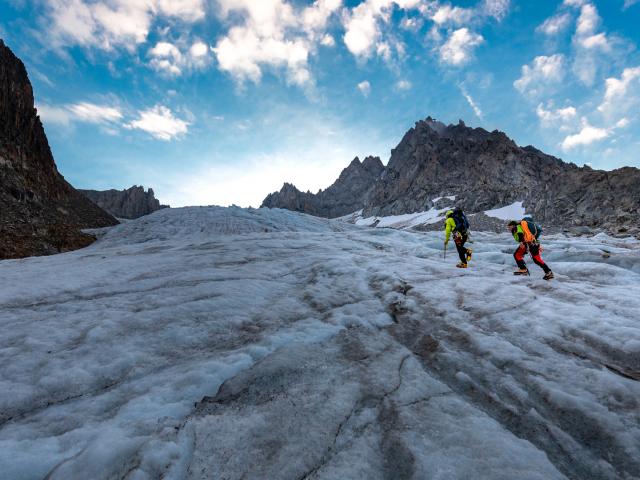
[[92, 113], [556, 24], [403, 85], [160, 123], [476, 109], [365, 88], [169, 59], [621, 94], [118, 23], [79, 112], [542, 72]]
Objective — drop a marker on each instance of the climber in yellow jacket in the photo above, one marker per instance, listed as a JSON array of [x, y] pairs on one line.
[[456, 223]]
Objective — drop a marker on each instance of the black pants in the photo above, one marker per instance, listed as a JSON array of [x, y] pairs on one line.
[[460, 239]]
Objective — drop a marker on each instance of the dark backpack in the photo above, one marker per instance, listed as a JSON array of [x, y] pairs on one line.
[[534, 228], [462, 224]]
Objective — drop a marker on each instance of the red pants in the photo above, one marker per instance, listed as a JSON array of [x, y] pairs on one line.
[[534, 250]]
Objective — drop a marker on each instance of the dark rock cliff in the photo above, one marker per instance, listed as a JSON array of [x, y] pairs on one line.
[[40, 213], [131, 203], [346, 195], [485, 170]]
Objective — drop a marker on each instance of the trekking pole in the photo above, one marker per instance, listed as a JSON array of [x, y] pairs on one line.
[[445, 251]]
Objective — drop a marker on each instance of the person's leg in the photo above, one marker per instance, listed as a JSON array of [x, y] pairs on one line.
[[468, 251], [518, 255], [537, 259], [462, 251]]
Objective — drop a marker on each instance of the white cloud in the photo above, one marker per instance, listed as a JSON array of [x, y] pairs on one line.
[[365, 88], [362, 30], [556, 24], [198, 50], [562, 118], [328, 41], [363, 26], [272, 35], [586, 136], [79, 112], [589, 44], [53, 114], [316, 17], [186, 10], [92, 113], [628, 3], [165, 49], [588, 21], [411, 24], [160, 123], [167, 57], [496, 8], [445, 14], [458, 49], [471, 102], [622, 123], [542, 72], [403, 85], [621, 93], [117, 23], [589, 134], [596, 41]]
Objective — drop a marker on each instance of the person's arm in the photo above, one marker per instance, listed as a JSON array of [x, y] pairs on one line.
[[519, 235]]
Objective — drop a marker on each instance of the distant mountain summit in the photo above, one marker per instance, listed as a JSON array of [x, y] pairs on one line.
[[131, 203], [40, 213], [486, 170], [345, 196]]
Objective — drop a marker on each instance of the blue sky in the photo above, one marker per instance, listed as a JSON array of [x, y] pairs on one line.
[[221, 101]]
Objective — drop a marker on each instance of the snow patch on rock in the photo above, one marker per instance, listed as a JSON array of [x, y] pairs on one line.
[[515, 211]]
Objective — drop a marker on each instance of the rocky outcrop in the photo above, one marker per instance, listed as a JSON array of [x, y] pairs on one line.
[[40, 213], [131, 203], [485, 170], [346, 195]]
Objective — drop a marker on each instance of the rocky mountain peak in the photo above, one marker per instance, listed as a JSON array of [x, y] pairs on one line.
[[344, 196], [131, 203], [485, 170], [373, 164], [40, 212]]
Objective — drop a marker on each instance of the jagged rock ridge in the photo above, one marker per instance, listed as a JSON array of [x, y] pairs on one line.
[[131, 203], [485, 170], [40, 213], [346, 195]]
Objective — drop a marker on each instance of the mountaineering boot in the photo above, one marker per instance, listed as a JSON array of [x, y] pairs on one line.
[[522, 271], [461, 265], [548, 276], [469, 252]]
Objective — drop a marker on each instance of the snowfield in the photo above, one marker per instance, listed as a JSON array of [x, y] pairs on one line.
[[213, 343]]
